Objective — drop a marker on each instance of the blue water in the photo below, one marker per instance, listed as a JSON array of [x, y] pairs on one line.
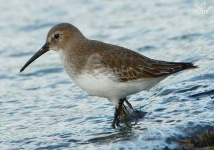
[[43, 109]]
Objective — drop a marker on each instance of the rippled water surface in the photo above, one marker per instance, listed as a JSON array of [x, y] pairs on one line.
[[43, 109]]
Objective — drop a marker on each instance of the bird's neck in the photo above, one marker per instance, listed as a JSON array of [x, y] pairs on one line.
[[74, 59]]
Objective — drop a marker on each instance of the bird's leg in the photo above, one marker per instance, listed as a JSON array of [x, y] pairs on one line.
[[124, 111], [130, 106], [117, 113]]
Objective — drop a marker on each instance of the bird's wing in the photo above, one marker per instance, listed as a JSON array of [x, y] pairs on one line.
[[129, 65]]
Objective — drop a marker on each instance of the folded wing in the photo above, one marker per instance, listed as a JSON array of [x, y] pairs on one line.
[[129, 65]]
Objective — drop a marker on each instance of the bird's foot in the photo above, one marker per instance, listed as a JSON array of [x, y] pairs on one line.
[[126, 114], [118, 111], [115, 123]]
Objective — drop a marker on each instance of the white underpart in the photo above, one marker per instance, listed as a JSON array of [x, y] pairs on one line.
[[104, 83], [104, 86]]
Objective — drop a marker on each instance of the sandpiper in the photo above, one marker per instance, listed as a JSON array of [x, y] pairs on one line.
[[106, 70]]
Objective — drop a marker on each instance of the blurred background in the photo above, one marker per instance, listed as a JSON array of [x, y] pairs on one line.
[[42, 108]]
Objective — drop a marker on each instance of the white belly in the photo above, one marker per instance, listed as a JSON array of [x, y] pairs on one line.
[[105, 86], [104, 83]]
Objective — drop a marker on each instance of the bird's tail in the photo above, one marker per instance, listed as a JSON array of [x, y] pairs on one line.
[[185, 66], [167, 68]]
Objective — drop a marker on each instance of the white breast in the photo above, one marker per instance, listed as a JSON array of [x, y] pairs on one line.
[[104, 86], [103, 82]]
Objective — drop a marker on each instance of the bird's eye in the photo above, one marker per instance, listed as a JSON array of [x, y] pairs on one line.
[[56, 36]]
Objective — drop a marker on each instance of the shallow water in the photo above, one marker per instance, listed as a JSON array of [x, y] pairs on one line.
[[43, 109]]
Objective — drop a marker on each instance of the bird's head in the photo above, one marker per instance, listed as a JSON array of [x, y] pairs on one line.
[[60, 38]]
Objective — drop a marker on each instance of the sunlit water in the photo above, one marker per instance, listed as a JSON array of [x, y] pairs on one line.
[[43, 109]]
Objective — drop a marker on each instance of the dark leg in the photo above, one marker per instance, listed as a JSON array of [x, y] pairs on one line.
[[130, 106], [117, 113], [124, 111]]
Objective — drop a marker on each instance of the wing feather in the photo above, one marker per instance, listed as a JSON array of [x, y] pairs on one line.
[[129, 65]]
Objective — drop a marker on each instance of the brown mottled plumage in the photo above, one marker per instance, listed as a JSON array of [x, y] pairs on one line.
[[130, 65], [103, 69]]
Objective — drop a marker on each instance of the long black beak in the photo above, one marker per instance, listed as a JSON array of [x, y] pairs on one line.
[[43, 50]]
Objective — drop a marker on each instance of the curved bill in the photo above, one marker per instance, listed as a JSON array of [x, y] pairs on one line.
[[43, 50]]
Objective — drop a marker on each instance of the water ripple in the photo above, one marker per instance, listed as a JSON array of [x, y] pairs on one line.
[[43, 72], [44, 109], [190, 36]]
